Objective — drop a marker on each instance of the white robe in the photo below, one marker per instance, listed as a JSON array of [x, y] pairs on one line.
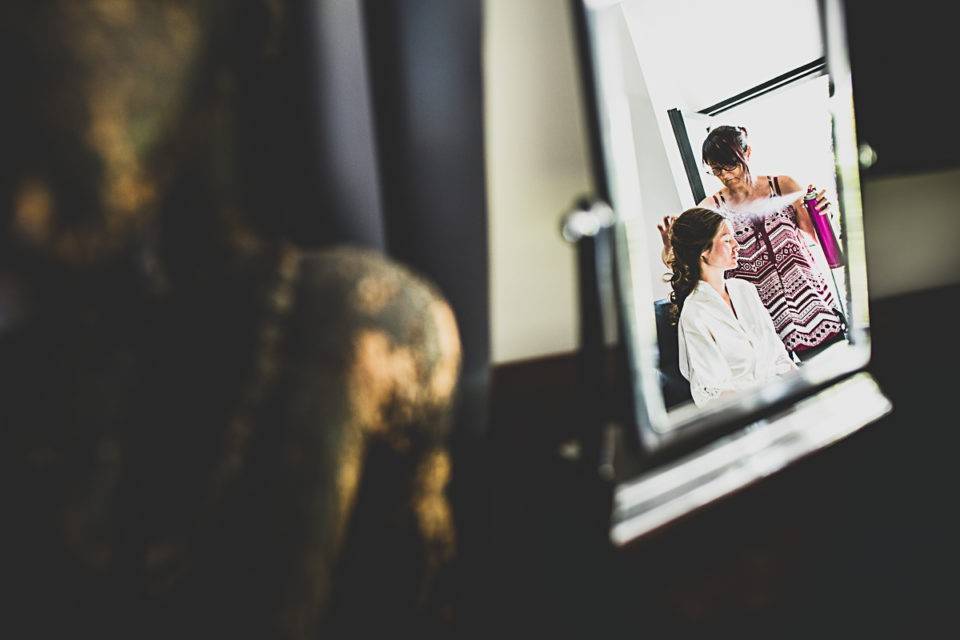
[[721, 352]]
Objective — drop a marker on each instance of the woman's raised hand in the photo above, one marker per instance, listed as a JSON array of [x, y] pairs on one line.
[[823, 205], [664, 229]]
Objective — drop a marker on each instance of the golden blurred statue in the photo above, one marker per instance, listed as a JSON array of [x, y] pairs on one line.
[[207, 431]]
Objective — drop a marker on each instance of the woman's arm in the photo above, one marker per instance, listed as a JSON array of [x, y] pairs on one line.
[[789, 185], [664, 229]]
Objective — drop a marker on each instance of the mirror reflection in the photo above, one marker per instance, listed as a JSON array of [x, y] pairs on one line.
[[759, 242], [719, 144]]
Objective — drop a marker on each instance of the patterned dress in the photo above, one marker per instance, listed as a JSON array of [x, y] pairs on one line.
[[776, 260]]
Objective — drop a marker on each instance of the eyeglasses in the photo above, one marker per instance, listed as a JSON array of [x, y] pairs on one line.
[[718, 171]]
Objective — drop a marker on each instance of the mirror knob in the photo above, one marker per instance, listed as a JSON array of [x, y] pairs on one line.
[[586, 219], [866, 155]]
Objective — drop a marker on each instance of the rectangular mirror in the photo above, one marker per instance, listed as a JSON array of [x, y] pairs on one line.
[[737, 120]]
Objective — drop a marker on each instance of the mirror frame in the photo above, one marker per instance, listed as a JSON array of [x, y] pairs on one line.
[[612, 151]]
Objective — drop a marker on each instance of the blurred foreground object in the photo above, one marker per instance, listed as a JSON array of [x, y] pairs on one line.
[[206, 431]]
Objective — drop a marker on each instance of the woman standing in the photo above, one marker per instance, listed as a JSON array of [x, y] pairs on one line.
[[773, 232]]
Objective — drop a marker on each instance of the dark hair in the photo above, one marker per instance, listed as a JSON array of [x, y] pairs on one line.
[[726, 146], [690, 235]]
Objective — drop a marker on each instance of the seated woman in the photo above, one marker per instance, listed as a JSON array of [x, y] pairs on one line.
[[727, 341], [775, 237]]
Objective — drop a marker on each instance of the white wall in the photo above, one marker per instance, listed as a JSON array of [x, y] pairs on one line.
[[536, 162], [659, 195], [912, 232], [718, 49]]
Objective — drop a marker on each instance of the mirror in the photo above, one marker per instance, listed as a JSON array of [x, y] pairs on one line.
[[740, 118]]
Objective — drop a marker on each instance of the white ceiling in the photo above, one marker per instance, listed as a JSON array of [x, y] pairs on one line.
[[709, 50]]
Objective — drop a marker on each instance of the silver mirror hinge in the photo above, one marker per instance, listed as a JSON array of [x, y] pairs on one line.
[[586, 222]]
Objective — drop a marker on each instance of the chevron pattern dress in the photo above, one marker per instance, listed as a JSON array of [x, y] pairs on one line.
[[775, 259]]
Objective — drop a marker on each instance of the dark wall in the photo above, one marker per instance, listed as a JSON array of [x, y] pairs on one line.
[[424, 58], [343, 117], [427, 91], [397, 126], [903, 62]]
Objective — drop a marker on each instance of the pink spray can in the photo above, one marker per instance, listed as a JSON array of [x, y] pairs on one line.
[[828, 241]]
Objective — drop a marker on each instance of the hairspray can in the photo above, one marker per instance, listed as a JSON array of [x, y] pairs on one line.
[[828, 241]]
